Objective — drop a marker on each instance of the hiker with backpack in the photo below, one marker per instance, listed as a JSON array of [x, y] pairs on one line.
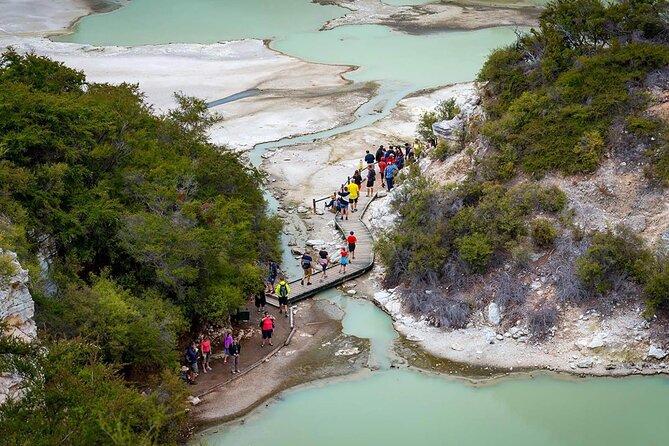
[[282, 291], [306, 267], [192, 354], [267, 326]]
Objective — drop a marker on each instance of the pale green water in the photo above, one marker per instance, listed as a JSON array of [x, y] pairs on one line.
[[200, 21], [363, 320], [383, 54], [400, 408]]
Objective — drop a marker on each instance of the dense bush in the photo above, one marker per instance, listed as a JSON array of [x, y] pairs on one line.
[[552, 96], [470, 224], [612, 255], [543, 233], [656, 291]]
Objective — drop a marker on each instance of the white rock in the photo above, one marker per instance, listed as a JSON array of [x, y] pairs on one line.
[[352, 292], [585, 363], [347, 351], [302, 210], [315, 243], [597, 341], [193, 400], [656, 352], [494, 315], [499, 337], [457, 347]]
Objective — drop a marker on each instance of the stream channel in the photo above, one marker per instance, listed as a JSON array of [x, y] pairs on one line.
[[389, 406]]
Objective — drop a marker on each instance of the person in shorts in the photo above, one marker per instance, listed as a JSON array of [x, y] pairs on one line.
[[344, 260], [205, 345], [259, 300], [351, 240], [227, 342], [282, 291], [305, 262], [267, 327], [371, 179], [324, 261], [273, 272]]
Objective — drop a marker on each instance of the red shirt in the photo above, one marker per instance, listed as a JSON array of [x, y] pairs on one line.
[[351, 239], [344, 253], [382, 166], [267, 323], [206, 346]]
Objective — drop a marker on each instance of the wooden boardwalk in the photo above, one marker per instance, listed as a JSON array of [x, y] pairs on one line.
[[364, 258]]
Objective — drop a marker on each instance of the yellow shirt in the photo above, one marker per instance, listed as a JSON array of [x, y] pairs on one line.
[[353, 189]]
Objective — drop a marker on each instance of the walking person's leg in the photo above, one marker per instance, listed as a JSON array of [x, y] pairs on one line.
[[237, 363], [307, 272]]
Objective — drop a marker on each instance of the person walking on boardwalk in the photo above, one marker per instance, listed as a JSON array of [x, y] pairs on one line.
[[205, 345], [282, 290], [227, 342], [324, 260], [343, 201], [267, 327], [354, 191], [371, 178], [344, 260], [369, 158], [305, 262], [391, 171], [260, 301], [273, 272], [382, 170], [235, 350], [351, 239]]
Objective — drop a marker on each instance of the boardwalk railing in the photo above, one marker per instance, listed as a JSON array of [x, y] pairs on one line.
[[363, 262]]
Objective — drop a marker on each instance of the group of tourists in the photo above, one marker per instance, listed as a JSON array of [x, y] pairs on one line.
[[389, 161], [198, 356]]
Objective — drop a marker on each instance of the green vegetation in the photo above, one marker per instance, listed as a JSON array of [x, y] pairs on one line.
[[75, 398], [553, 95], [472, 224], [543, 233], [612, 255], [621, 257], [153, 230]]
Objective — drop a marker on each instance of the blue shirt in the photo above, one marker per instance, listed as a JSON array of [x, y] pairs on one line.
[[390, 170]]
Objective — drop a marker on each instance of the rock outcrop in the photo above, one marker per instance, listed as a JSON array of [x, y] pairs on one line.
[[16, 312]]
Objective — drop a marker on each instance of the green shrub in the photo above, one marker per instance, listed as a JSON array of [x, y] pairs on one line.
[[612, 256], [447, 110], [656, 291], [443, 150], [475, 249], [543, 233]]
